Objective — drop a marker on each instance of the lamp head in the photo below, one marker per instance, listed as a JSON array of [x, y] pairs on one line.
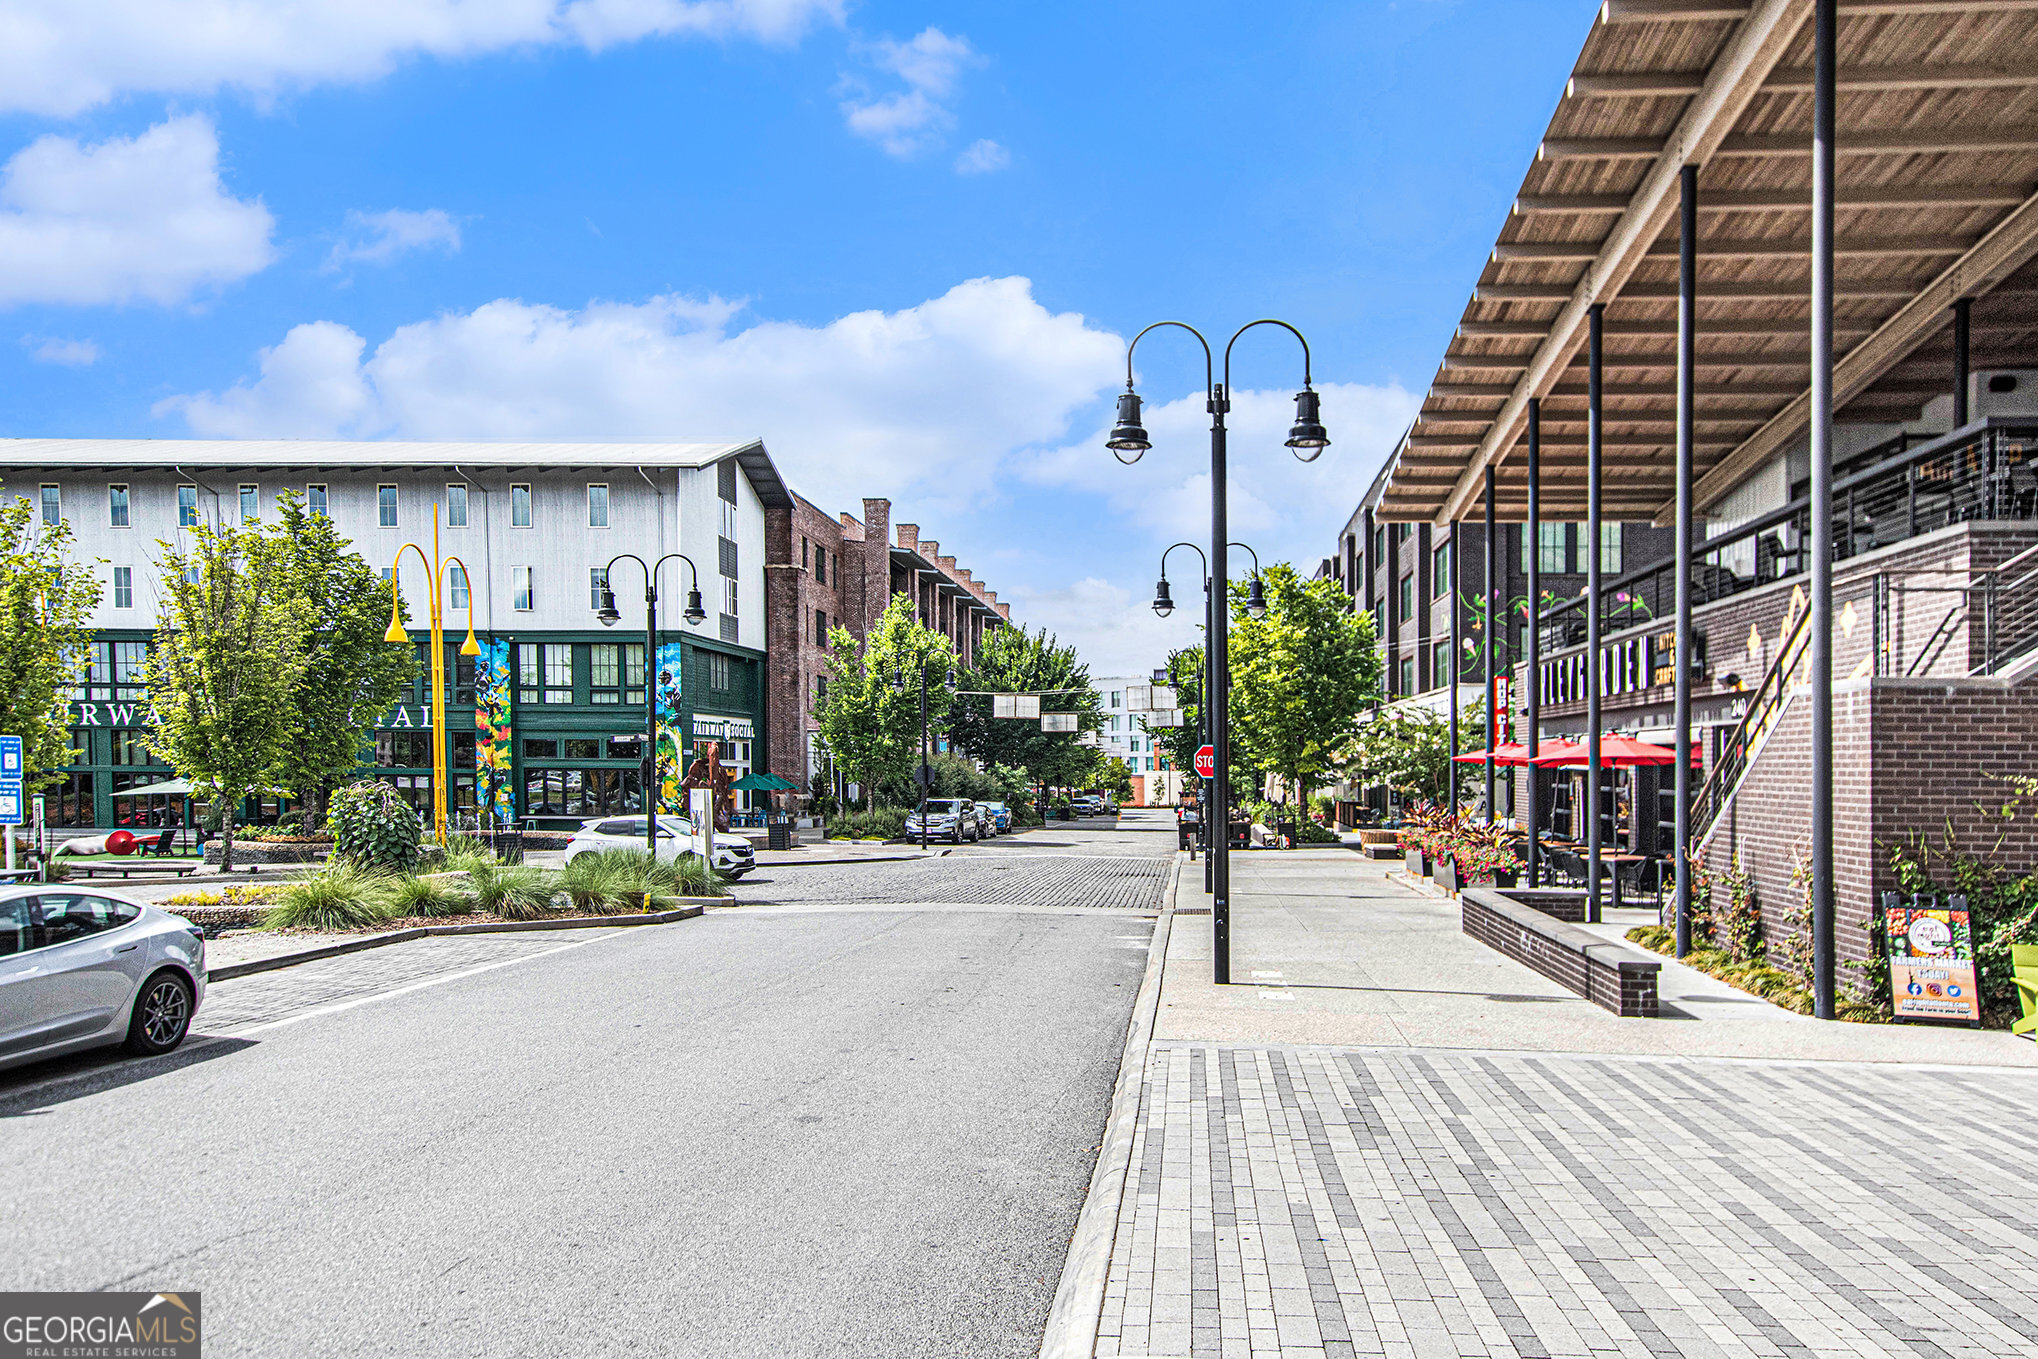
[[1163, 602], [1256, 602], [1308, 437], [470, 647], [395, 632], [607, 614], [693, 613], [1128, 435]]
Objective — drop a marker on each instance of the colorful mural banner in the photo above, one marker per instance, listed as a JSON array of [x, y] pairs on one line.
[[1931, 959], [494, 789], [665, 679]]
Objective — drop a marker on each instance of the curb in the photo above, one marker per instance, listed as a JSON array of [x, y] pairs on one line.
[[1079, 1298], [931, 853], [311, 955]]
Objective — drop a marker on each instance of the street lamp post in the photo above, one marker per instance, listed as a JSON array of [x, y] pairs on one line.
[[435, 568], [647, 766], [899, 683], [1308, 439], [1163, 605]]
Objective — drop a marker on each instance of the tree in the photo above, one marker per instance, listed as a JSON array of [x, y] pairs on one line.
[[870, 720], [1180, 744], [228, 655], [351, 675], [44, 641], [1015, 661], [1408, 749], [1300, 676]]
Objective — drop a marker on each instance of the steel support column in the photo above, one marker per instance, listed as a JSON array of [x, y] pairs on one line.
[[1962, 315], [1457, 666], [1532, 672], [1491, 639], [1824, 61], [1594, 440], [1687, 401]]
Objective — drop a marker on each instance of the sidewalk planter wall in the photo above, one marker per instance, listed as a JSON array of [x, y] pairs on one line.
[[1415, 865], [1446, 875], [271, 851], [1611, 976], [1565, 905]]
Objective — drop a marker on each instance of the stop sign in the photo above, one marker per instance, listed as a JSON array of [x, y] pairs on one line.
[[1206, 762]]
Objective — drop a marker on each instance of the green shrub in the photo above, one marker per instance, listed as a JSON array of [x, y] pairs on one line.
[[1309, 833], [698, 878], [880, 823], [619, 881], [464, 852], [341, 896], [514, 891], [371, 825], [428, 897]]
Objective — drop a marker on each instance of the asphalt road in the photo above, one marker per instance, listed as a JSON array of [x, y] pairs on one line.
[[814, 1130]]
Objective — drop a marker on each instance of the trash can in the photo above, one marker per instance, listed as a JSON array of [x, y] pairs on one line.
[[779, 835], [1284, 832]]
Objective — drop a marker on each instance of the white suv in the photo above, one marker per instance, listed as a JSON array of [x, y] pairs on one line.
[[733, 856]]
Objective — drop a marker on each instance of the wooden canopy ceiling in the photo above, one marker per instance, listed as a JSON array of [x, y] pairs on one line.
[[1937, 162]]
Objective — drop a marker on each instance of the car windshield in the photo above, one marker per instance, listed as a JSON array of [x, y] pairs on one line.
[[994, 806], [942, 807]]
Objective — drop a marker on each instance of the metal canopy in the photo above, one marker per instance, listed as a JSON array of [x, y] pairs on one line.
[[1938, 161]]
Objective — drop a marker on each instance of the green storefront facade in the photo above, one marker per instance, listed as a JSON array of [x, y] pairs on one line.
[[565, 744]]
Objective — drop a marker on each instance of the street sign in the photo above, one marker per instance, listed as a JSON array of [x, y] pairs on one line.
[[1206, 762], [10, 757], [10, 802]]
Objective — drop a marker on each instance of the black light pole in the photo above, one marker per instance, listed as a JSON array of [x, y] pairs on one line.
[[1308, 439], [647, 767], [1163, 605], [899, 682]]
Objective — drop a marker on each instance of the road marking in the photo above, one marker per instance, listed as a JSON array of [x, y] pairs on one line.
[[1258, 973], [359, 1001]]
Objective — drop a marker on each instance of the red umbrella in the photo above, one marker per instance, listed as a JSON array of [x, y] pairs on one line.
[[1507, 752], [1615, 752], [1559, 751]]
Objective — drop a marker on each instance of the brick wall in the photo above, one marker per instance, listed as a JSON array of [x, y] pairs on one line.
[[794, 593]]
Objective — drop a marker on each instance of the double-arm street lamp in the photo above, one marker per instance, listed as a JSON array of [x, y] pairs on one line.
[[1308, 439], [435, 570], [693, 613], [1164, 604]]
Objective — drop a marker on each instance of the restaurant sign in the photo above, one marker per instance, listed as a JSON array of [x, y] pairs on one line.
[[1642, 661], [1930, 947]]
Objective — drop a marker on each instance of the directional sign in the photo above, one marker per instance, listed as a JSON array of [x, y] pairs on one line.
[[10, 802], [1206, 762], [10, 757]]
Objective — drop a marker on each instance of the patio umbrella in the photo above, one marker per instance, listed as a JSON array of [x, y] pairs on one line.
[[1507, 752], [1559, 751], [1615, 752], [757, 783]]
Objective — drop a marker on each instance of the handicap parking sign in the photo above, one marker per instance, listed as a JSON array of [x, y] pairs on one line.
[[10, 757], [10, 802]]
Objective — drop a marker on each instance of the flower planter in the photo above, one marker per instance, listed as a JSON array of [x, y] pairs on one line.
[[1504, 877], [1446, 875], [1415, 866]]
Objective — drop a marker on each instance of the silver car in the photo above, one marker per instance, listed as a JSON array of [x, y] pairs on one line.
[[81, 969], [946, 818], [733, 855]]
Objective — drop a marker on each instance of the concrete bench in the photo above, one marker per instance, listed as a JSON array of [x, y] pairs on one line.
[[1612, 976], [1380, 844], [142, 866]]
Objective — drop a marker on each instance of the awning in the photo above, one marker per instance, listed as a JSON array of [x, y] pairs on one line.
[[167, 788]]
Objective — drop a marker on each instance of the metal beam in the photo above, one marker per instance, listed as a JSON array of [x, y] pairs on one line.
[[1751, 144], [1820, 399], [1798, 79], [1736, 77], [1791, 200], [1516, 330], [1995, 257]]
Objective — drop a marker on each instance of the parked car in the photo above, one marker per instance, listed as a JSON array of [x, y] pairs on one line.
[[946, 818], [1001, 816], [1086, 804], [90, 969], [987, 821], [733, 855]]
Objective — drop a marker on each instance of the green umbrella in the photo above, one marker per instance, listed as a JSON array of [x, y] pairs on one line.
[[756, 783]]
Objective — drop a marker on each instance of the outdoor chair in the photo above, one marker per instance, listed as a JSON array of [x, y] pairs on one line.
[[2024, 958], [164, 843]]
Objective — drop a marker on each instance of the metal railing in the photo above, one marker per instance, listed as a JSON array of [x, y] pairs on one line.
[[1765, 704], [1988, 619], [1985, 470]]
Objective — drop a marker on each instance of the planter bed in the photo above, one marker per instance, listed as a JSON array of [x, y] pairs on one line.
[[1611, 976], [271, 851]]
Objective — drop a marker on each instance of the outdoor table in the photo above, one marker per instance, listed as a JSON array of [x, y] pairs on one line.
[[1617, 860]]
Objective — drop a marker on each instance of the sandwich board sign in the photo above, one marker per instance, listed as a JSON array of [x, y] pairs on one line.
[[1929, 944]]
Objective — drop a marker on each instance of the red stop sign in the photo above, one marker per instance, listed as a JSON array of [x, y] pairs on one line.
[[1206, 762]]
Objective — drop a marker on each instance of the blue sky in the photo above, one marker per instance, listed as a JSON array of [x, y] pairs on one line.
[[904, 243]]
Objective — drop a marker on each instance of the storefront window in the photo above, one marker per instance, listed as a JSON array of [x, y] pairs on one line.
[[581, 792], [70, 801], [545, 672], [616, 672], [150, 811], [129, 748], [403, 749]]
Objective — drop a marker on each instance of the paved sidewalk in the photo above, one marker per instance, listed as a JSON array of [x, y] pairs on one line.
[[1390, 1140]]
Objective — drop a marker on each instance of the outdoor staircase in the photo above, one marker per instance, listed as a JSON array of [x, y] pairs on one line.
[[1767, 703]]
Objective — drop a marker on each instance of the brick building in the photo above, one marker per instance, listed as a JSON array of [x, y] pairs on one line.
[[823, 572]]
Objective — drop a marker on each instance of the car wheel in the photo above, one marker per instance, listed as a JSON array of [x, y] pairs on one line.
[[162, 1015]]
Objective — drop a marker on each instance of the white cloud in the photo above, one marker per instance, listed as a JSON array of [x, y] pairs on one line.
[[379, 237], [1113, 628], [69, 353], [64, 56], [928, 400], [126, 219], [904, 123], [982, 157]]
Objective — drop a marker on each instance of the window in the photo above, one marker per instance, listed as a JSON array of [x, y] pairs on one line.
[[558, 672], [1553, 549], [461, 598], [728, 519], [1609, 547], [1380, 545], [187, 506], [314, 501], [52, 506], [1408, 675], [597, 504], [520, 588], [725, 480], [1440, 664], [821, 566], [597, 581], [116, 506], [123, 587], [544, 675], [129, 748], [403, 750], [729, 598], [385, 505], [1408, 595], [616, 672], [1117, 698], [251, 502], [1440, 572], [520, 504], [804, 562], [718, 672], [190, 575], [456, 504], [820, 627]]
